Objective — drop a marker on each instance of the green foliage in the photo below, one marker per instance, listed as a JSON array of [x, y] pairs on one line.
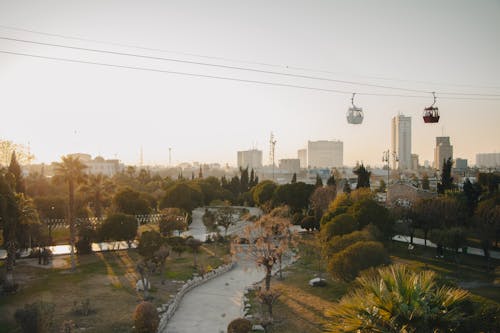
[[425, 182], [363, 176], [296, 196], [183, 195], [294, 178], [347, 187], [339, 225], [319, 181], [339, 243], [309, 223], [263, 192], [239, 325], [146, 318], [348, 263], [36, 317], [368, 211], [178, 244], [489, 181], [118, 227], [131, 202], [15, 172], [396, 299], [331, 180], [149, 243], [446, 183]]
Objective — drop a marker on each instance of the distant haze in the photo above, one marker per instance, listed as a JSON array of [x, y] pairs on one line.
[[60, 108]]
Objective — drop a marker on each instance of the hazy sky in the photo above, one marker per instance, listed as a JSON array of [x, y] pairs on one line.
[[59, 108]]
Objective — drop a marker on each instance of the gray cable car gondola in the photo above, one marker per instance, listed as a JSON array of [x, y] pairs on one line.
[[354, 113], [431, 113]]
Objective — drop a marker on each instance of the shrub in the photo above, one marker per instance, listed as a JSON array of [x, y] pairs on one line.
[[239, 325], [339, 243], [118, 227], [347, 263], [178, 244], [340, 225], [149, 243], [309, 223], [145, 318], [36, 317]]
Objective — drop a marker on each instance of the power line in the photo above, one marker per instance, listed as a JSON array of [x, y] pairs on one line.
[[214, 65], [230, 78], [298, 68]]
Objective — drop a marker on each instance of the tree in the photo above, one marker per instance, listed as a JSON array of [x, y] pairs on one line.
[[363, 176], [195, 245], [271, 237], [331, 180], [131, 202], [154, 253], [98, 188], [382, 186], [368, 211], [119, 227], [15, 172], [396, 299], [321, 198], [349, 262], [319, 181], [296, 196], [294, 178], [339, 225], [446, 178], [70, 171], [339, 243], [146, 318], [8, 223], [171, 219], [487, 222], [263, 192], [472, 193], [186, 196], [347, 186], [225, 217], [426, 216], [309, 223]]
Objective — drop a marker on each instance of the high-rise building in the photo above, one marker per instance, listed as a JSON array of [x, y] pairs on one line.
[[461, 164], [442, 152], [488, 160], [414, 162], [401, 142], [302, 156], [325, 154], [250, 158]]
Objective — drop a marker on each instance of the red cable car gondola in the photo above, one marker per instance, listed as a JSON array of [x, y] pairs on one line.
[[431, 113]]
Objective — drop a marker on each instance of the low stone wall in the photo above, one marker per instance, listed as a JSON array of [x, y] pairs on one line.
[[167, 310]]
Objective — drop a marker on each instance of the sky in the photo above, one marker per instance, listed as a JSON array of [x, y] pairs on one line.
[[446, 46]]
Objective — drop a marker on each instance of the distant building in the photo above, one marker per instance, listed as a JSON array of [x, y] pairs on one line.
[[250, 158], [99, 165], [401, 142], [302, 156], [442, 152], [414, 162], [461, 164], [325, 154], [291, 165], [488, 160], [404, 194]]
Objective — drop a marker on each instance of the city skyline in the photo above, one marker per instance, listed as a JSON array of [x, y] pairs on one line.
[[60, 108]]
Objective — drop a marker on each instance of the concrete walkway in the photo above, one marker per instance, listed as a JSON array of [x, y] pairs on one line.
[[213, 305]]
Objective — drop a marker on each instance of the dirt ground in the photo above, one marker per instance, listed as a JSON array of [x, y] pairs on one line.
[[106, 280]]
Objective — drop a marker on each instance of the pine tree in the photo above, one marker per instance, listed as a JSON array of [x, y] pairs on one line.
[[363, 176], [200, 173], [319, 181], [252, 179], [347, 186], [16, 174], [331, 181], [446, 178], [294, 178]]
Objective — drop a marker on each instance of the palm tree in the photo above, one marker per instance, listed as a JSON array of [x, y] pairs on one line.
[[396, 299], [70, 171], [98, 188]]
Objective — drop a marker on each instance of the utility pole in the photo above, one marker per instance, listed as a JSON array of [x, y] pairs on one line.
[[272, 146], [386, 158]]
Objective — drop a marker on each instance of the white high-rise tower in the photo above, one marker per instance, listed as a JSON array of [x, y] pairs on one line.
[[401, 142]]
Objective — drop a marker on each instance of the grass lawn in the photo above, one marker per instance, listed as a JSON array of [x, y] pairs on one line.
[[466, 271], [300, 308], [106, 279]]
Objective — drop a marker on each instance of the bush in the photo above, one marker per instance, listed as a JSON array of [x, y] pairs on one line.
[[149, 243], [239, 325], [338, 226], [309, 223], [118, 227], [36, 317], [146, 318], [348, 263], [339, 243], [178, 244]]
